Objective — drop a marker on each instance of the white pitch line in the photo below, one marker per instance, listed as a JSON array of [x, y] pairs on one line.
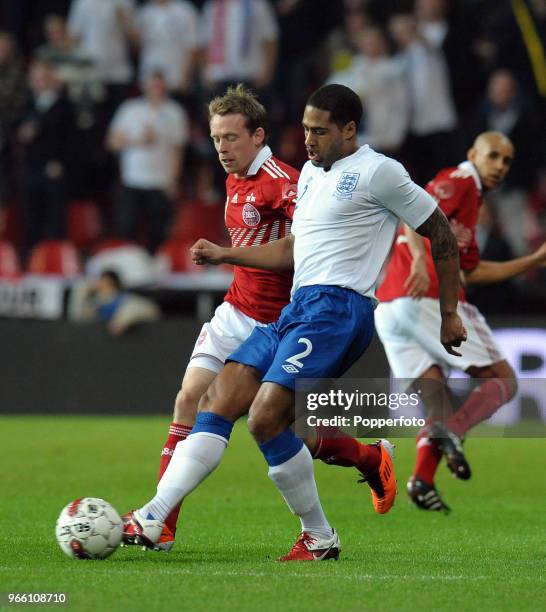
[[357, 577], [281, 574]]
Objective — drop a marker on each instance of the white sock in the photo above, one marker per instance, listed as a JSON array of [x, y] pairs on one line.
[[295, 480], [193, 460]]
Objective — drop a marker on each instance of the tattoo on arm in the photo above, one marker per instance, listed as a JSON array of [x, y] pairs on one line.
[[442, 240]]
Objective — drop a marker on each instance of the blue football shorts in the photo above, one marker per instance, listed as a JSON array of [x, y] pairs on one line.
[[320, 334]]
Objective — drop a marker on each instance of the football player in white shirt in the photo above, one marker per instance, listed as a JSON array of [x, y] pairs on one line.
[[350, 201]]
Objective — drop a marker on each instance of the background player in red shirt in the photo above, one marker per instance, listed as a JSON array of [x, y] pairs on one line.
[[261, 193], [408, 326]]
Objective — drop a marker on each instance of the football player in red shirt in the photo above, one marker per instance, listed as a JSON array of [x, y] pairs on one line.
[[261, 193], [408, 318]]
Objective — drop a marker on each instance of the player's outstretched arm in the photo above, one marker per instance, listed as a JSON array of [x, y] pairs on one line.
[[497, 271], [276, 255], [445, 254]]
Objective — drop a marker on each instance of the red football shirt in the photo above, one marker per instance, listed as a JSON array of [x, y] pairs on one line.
[[458, 193], [259, 209]]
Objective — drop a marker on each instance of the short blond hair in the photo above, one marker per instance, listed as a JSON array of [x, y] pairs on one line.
[[239, 100]]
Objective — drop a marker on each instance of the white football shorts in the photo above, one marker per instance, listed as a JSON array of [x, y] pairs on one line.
[[220, 336], [410, 332]]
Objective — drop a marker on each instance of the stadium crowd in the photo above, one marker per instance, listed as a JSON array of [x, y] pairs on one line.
[[104, 133]]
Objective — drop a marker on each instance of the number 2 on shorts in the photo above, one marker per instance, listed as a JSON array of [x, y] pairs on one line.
[[295, 359]]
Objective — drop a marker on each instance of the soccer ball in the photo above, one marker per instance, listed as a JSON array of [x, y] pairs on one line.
[[89, 528]]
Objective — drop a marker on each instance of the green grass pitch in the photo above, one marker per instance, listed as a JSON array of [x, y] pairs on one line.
[[488, 554]]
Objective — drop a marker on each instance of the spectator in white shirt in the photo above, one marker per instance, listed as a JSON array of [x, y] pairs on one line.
[[167, 33], [380, 82], [240, 41], [101, 29], [149, 133], [433, 117], [448, 26]]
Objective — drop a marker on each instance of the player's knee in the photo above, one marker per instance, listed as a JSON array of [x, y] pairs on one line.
[[260, 426], [511, 383], [213, 400], [232, 391], [504, 372]]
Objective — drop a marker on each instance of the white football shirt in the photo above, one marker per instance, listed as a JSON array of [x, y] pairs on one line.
[[346, 218]]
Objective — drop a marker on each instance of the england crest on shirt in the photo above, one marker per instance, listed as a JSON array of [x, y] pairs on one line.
[[347, 184]]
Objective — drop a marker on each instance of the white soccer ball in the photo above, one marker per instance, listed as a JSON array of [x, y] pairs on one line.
[[89, 528]]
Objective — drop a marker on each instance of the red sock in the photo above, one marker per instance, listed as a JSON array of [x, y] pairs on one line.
[[480, 405], [337, 448], [428, 456], [177, 433]]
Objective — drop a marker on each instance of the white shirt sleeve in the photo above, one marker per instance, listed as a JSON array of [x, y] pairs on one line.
[[392, 187]]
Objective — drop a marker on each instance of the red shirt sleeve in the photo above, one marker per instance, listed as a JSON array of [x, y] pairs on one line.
[[281, 194], [288, 198], [460, 199], [471, 258]]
